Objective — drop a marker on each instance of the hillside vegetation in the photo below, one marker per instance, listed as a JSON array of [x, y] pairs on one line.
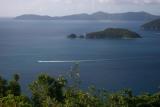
[[48, 91], [114, 33]]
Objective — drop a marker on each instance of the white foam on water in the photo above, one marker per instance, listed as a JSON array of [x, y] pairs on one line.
[[73, 61], [96, 60]]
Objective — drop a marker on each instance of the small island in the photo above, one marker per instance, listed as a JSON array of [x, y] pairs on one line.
[[72, 36], [152, 26], [110, 33], [113, 33]]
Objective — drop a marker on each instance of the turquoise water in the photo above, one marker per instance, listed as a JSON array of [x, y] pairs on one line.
[[130, 63]]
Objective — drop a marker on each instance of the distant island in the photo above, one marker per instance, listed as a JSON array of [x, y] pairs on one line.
[[33, 17], [129, 16], [73, 36], [110, 33], [152, 25]]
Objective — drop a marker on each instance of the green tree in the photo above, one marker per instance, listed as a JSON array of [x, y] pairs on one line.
[[46, 87], [16, 77], [3, 87], [14, 86], [15, 101]]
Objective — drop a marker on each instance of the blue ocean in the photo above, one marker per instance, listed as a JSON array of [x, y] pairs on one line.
[[128, 63]]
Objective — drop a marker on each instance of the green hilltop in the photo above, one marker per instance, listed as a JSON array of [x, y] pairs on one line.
[[109, 33], [113, 33]]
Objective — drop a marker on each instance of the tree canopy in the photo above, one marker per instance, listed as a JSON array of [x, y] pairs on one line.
[[48, 91]]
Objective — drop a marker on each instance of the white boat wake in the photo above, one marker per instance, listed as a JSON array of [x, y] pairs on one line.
[[73, 61], [95, 60]]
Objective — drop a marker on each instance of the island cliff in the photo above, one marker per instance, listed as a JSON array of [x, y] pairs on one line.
[[152, 25]]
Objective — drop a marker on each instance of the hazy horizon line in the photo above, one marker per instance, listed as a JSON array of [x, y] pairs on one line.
[[75, 14]]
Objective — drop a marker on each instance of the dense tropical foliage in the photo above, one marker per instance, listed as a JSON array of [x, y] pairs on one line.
[[48, 91]]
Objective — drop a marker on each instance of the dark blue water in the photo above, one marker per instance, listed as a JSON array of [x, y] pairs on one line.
[[134, 63]]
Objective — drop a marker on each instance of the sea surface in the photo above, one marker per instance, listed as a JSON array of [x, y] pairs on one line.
[[129, 63]]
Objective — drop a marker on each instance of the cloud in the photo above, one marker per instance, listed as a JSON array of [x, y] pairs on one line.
[[130, 1], [63, 7]]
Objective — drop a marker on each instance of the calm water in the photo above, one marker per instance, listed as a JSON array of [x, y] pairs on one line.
[[134, 63]]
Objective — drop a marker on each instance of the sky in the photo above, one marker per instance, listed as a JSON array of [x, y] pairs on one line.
[[12, 8]]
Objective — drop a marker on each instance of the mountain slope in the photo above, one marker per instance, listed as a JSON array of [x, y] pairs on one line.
[[95, 16], [152, 25]]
